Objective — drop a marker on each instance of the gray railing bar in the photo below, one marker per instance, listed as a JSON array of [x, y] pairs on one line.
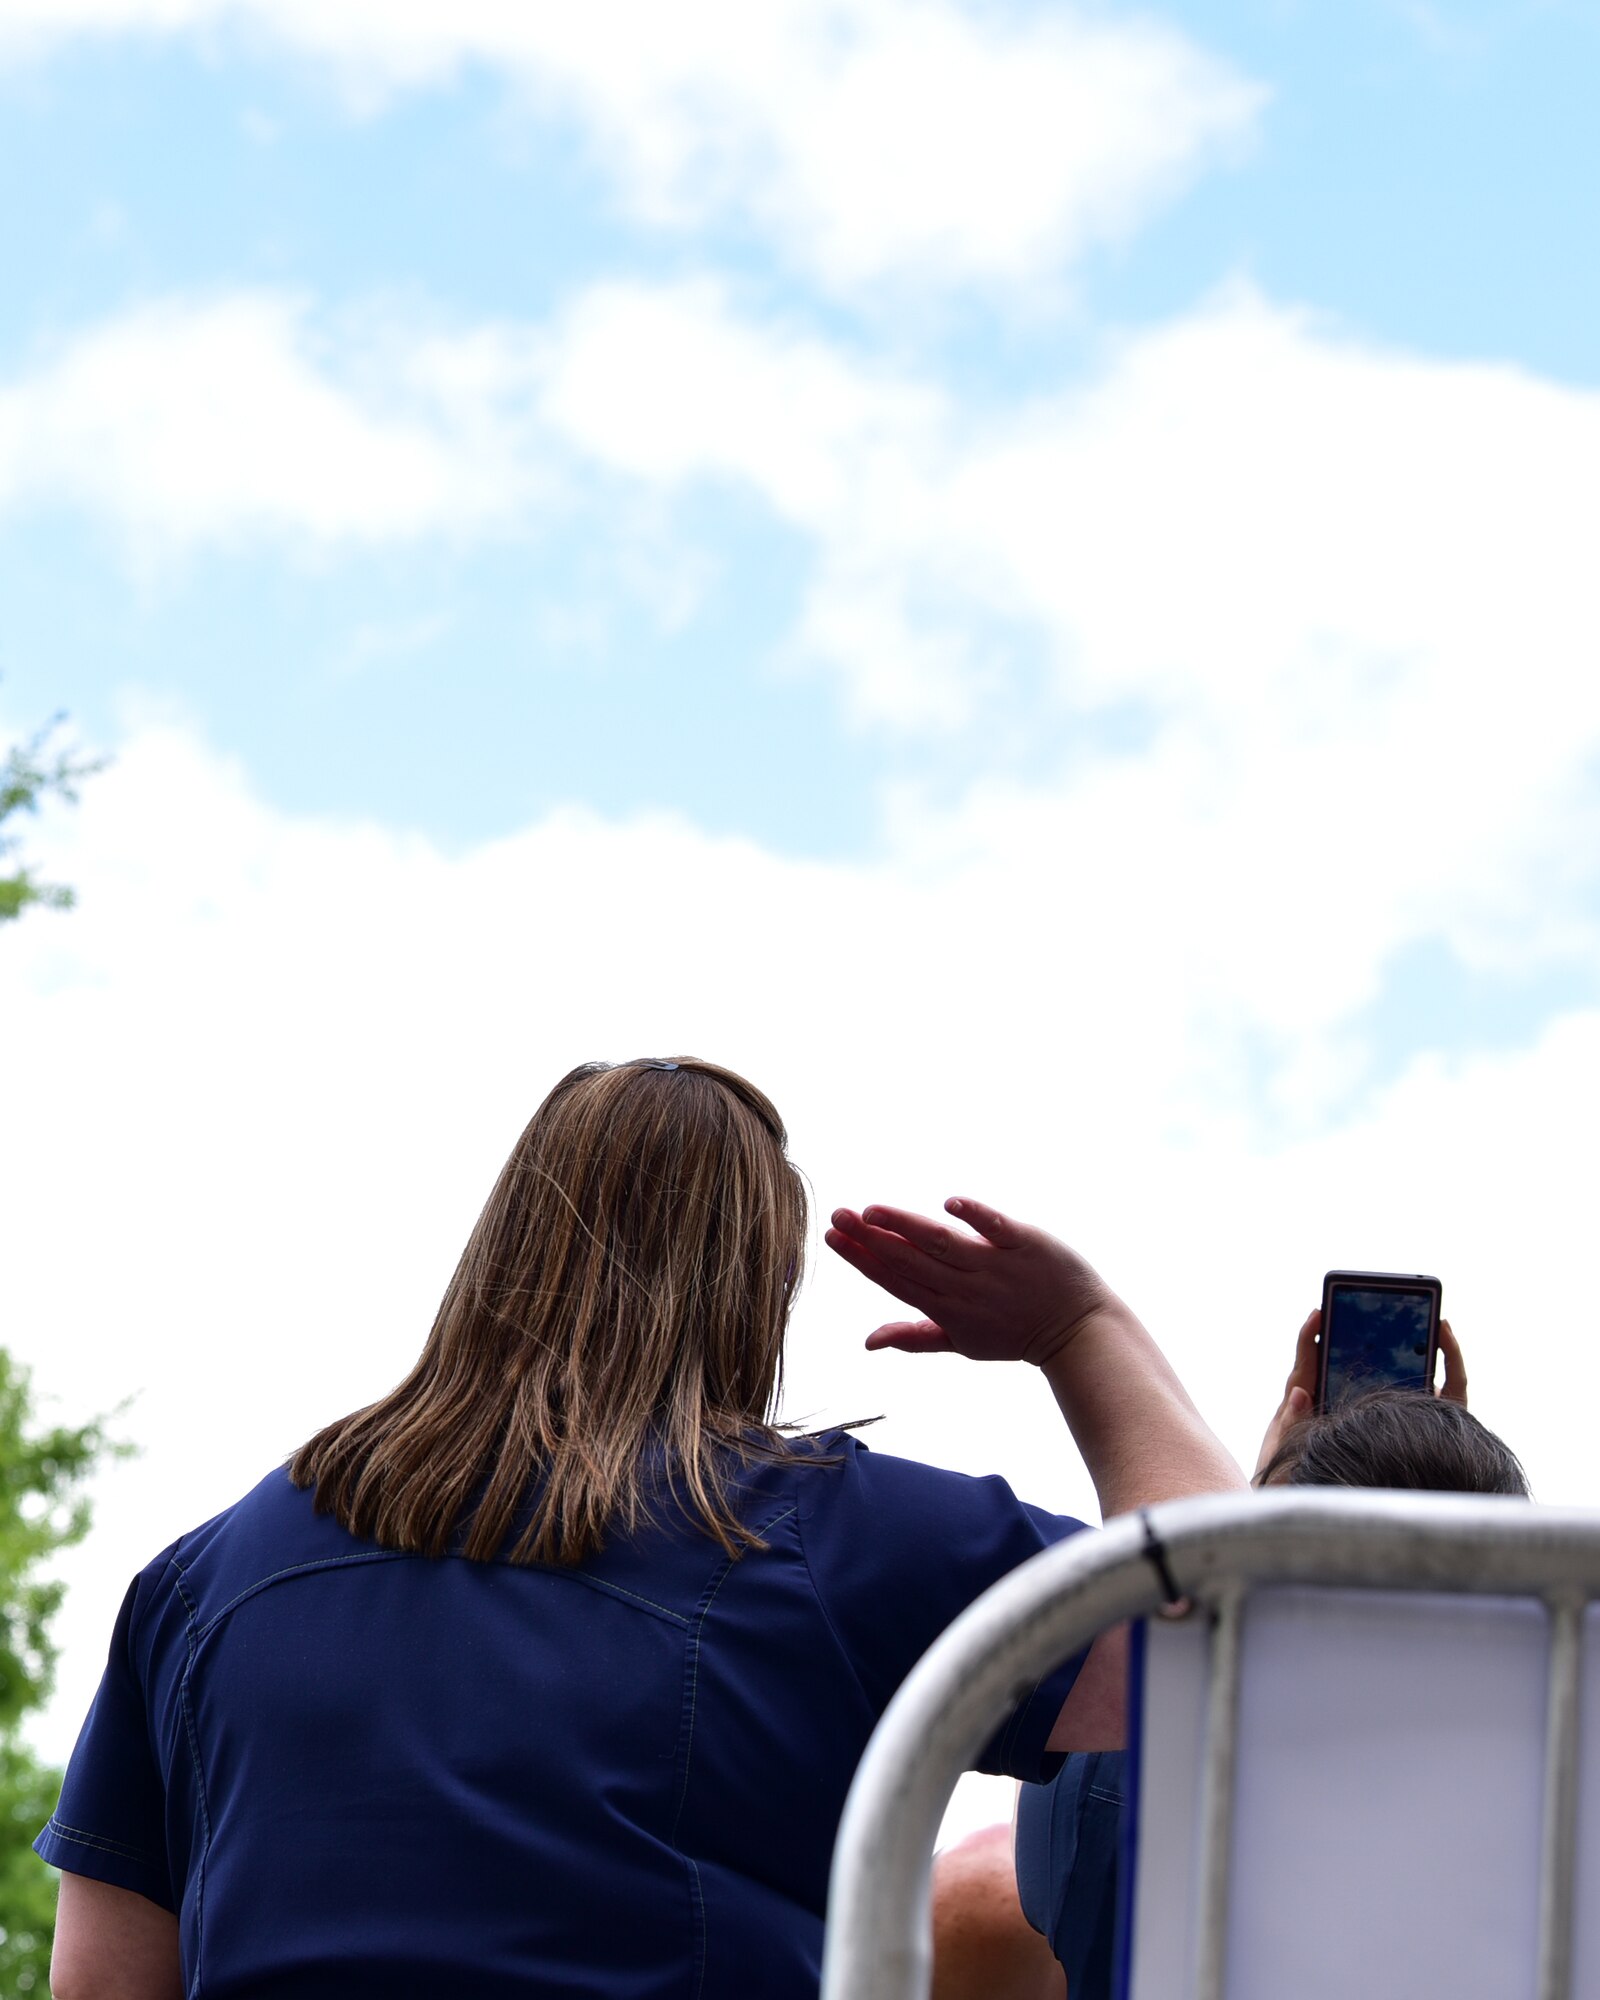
[[878, 1939], [1216, 1798], [989, 1659], [1557, 1901]]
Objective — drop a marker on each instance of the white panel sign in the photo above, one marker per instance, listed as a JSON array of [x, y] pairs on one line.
[[1387, 1821], [1586, 1929]]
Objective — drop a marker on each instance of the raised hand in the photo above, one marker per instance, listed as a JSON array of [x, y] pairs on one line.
[[995, 1290], [999, 1290]]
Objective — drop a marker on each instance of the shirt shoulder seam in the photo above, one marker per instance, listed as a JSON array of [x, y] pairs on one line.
[[319, 1563], [203, 1632], [826, 1615]]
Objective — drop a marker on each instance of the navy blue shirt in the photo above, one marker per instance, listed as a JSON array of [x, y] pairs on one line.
[[353, 1772], [1068, 1844]]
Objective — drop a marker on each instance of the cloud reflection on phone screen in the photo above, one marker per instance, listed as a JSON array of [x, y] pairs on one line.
[[1376, 1339]]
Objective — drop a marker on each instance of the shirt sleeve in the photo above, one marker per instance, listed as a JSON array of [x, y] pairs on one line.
[[898, 1550], [110, 1822]]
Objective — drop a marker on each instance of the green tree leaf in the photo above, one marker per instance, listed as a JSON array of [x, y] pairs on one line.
[[43, 1473], [27, 1889], [42, 1509], [33, 771]]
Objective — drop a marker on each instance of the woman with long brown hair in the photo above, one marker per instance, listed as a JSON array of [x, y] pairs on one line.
[[547, 1672]]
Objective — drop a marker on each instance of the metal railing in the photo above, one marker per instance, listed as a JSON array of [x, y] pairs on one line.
[[1213, 1551]]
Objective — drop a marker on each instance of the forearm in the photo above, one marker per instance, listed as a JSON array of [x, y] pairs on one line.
[[1009, 1292], [1143, 1440], [1133, 1422]]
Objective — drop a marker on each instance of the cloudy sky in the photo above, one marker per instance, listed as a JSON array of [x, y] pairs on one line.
[[1023, 573]]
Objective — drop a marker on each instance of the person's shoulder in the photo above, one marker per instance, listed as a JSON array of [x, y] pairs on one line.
[[890, 1475], [897, 1549], [825, 1473], [909, 1490], [224, 1549], [274, 1501], [273, 1528]]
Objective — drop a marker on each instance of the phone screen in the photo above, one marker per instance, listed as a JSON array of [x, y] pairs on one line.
[[1376, 1338]]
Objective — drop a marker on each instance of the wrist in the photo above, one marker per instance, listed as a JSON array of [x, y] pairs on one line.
[[1051, 1348]]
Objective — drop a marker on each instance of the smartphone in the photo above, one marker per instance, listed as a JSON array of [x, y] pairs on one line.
[[1380, 1330]]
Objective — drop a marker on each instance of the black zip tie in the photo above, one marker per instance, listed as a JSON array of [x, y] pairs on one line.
[[1154, 1551]]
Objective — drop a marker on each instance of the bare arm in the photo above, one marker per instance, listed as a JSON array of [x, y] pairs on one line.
[[113, 1945], [1141, 1437], [1009, 1292], [1003, 1291]]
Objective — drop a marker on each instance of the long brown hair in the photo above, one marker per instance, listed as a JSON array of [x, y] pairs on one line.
[[618, 1312]]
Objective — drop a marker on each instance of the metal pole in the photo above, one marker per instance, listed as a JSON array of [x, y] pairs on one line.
[[1216, 1799], [878, 1938], [1556, 1872], [996, 1652]]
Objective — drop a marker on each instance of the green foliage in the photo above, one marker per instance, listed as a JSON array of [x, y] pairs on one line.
[[33, 771], [27, 1891], [42, 1502], [42, 1509]]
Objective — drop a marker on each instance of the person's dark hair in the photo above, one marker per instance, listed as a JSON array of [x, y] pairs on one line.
[[1396, 1438], [620, 1306]]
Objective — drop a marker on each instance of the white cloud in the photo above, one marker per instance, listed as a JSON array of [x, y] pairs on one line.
[[273, 1065], [1228, 501], [871, 139], [668, 384], [1345, 592], [202, 422]]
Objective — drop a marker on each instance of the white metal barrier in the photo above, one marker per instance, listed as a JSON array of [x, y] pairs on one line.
[[1215, 1552]]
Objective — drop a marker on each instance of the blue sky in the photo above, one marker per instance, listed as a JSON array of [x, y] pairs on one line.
[[1412, 176], [1023, 573]]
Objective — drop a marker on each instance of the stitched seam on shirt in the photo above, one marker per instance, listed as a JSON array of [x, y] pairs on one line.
[[706, 1603], [833, 1630], [80, 1838], [697, 1918], [615, 1590], [701, 1944], [185, 1696], [697, 1911], [294, 1569], [407, 1555]]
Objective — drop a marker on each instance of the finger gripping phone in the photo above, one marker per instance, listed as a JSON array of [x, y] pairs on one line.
[[1380, 1330]]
